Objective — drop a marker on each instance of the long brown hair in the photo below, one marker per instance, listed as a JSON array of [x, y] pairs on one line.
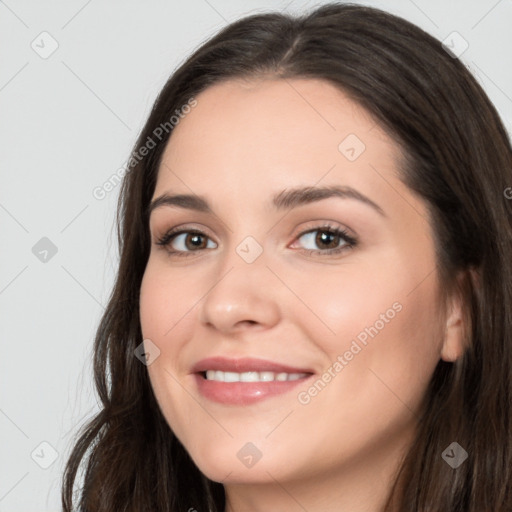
[[457, 157]]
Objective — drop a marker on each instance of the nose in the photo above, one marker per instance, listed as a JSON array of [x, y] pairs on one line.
[[242, 295]]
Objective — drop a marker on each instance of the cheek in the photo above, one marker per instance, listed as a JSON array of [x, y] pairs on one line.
[[385, 329], [167, 317], [378, 364], [155, 317], [166, 300]]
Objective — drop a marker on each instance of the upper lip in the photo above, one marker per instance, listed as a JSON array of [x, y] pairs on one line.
[[245, 364]]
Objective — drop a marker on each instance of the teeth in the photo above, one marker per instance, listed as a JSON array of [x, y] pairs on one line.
[[251, 376]]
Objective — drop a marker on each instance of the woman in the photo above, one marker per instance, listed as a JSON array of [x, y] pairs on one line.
[[312, 309]]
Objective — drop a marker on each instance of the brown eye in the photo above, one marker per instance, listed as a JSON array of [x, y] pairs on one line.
[[326, 240], [182, 243], [194, 241]]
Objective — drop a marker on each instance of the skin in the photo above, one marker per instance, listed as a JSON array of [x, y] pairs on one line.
[[242, 143]]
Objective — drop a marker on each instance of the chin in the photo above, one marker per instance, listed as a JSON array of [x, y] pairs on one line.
[[227, 467]]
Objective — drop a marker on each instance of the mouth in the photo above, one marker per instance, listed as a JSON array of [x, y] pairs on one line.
[[220, 376], [246, 381]]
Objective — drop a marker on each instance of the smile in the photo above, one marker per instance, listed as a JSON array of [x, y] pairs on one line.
[[220, 376], [243, 393]]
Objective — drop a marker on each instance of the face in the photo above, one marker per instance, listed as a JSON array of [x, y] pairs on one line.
[[324, 306]]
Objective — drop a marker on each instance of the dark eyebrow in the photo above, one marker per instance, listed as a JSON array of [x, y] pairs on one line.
[[298, 196], [286, 199]]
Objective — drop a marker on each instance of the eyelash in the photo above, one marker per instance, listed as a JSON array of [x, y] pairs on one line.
[[350, 242]]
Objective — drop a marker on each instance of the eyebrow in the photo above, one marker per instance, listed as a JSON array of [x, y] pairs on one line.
[[286, 199]]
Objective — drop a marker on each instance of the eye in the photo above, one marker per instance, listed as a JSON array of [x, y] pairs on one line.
[[182, 242], [327, 239]]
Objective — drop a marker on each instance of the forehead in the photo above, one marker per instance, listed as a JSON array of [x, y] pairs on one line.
[[272, 134]]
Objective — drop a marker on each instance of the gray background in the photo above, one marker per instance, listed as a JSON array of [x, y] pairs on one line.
[[68, 122]]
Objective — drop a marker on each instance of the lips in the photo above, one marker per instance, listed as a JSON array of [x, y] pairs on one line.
[[245, 364], [241, 392]]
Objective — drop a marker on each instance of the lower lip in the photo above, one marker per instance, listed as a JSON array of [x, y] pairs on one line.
[[244, 393]]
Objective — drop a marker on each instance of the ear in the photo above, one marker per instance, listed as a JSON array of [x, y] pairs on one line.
[[457, 320]]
